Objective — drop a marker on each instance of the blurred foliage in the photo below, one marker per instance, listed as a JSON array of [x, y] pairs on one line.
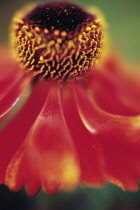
[[83, 198], [123, 18]]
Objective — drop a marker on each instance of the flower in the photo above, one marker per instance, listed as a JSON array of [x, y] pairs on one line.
[[64, 119]]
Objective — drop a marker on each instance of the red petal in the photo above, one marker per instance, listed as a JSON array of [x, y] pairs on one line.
[[12, 136], [122, 159], [119, 138], [13, 96], [13, 84], [21, 171], [116, 87], [94, 118], [48, 151], [9, 72], [88, 146]]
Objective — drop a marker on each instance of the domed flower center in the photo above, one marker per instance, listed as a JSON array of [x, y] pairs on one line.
[[57, 40], [57, 16]]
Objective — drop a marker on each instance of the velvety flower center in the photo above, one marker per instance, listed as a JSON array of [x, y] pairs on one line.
[[59, 16], [57, 40]]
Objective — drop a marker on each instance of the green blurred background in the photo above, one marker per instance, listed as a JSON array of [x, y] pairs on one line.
[[123, 18]]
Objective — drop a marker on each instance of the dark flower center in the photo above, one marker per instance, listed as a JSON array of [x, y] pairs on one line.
[[59, 15], [57, 40]]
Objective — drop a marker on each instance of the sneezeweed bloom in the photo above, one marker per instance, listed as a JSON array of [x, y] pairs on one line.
[[69, 112]]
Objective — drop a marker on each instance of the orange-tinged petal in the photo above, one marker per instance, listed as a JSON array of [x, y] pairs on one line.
[[88, 146], [12, 136], [20, 172], [48, 150], [119, 137]]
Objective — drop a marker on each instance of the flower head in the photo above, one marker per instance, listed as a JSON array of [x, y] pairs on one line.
[[64, 119], [57, 41]]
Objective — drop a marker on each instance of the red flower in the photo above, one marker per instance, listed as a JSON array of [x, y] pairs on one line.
[[77, 125]]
